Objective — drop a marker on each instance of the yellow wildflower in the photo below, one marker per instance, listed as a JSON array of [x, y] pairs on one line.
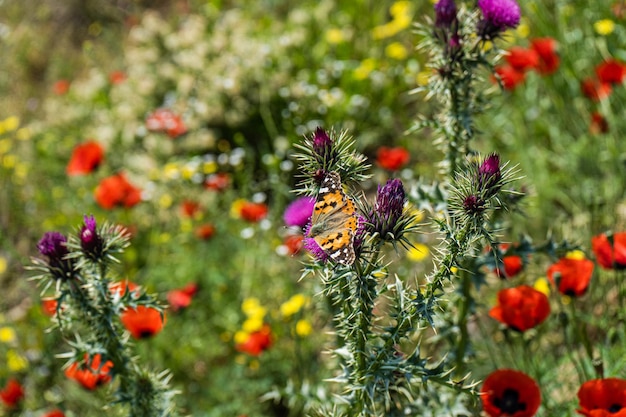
[[11, 123], [293, 305], [187, 172], [365, 69], [241, 337], [380, 273], [7, 335], [396, 50], [9, 161], [209, 167], [165, 201], [235, 208], [423, 77], [3, 265], [334, 36], [542, 285], [252, 324], [604, 27], [522, 31], [418, 252], [170, 171], [383, 31], [400, 8], [253, 308], [15, 361], [303, 328], [575, 254]]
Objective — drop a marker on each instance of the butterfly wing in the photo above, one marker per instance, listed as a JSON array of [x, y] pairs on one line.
[[334, 222]]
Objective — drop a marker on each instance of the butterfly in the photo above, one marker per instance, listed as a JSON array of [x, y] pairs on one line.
[[334, 221]]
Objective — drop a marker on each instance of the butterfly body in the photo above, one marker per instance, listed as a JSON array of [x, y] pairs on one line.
[[334, 221]]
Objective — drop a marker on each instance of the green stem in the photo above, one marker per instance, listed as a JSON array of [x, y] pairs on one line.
[[364, 295], [463, 340]]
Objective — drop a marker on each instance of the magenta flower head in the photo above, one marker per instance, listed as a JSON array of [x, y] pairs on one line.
[[498, 16], [445, 13], [388, 209], [489, 175], [314, 249], [53, 245], [322, 143], [90, 241], [473, 205], [298, 213]]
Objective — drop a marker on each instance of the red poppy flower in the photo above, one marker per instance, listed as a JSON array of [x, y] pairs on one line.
[[598, 124], [86, 157], [49, 306], [610, 250], [117, 77], [61, 87], [522, 59], [392, 158], [189, 208], [12, 393], [116, 191], [143, 322], [549, 59], [294, 243], [90, 375], [181, 298], [571, 276], [603, 398], [217, 182], [521, 308], [511, 264], [509, 76], [165, 120], [257, 342], [595, 89], [54, 413], [611, 71], [510, 393], [205, 231], [253, 212]]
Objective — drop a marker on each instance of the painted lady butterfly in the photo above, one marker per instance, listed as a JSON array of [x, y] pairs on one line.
[[334, 221]]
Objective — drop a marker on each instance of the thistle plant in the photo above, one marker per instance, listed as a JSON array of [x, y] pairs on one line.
[[381, 371], [89, 304]]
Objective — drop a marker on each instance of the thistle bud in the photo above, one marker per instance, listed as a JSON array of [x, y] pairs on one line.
[[388, 208], [445, 13], [53, 245], [90, 241], [489, 176]]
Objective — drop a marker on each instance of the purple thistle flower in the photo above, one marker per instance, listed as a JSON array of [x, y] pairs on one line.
[[53, 245], [489, 175], [298, 212], [311, 245], [473, 205], [498, 16], [321, 142], [388, 208], [90, 241], [445, 13]]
